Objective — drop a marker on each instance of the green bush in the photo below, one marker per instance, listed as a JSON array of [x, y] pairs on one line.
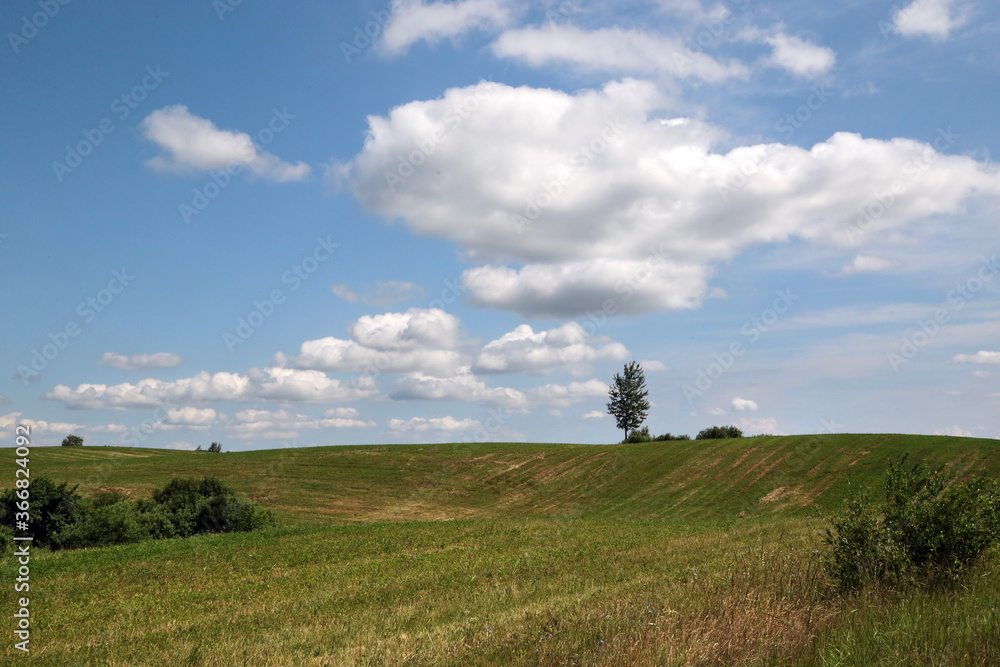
[[51, 509], [61, 519], [104, 525], [207, 506], [666, 437], [642, 435], [716, 432], [6, 540], [929, 531]]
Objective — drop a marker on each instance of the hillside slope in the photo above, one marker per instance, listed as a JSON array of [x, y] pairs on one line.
[[713, 479]]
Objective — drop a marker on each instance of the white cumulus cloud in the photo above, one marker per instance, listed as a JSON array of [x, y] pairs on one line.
[[743, 404], [192, 143], [268, 384], [416, 20], [424, 340], [935, 19], [598, 201], [568, 347], [981, 357], [463, 386]]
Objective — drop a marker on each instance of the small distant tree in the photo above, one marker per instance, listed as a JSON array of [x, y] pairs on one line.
[[72, 441], [199, 449], [628, 404], [215, 447]]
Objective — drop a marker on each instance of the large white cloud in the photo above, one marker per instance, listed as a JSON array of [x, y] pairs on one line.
[[268, 384], [567, 347], [192, 143], [422, 340], [602, 201], [416, 20]]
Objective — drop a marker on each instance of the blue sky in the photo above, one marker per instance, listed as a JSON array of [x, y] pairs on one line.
[[338, 223]]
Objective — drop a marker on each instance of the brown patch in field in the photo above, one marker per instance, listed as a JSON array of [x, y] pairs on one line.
[[864, 452], [773, 495], [816, 467]]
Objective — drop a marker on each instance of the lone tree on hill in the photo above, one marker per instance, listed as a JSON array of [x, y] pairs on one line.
[[628, 404], [72, 441]]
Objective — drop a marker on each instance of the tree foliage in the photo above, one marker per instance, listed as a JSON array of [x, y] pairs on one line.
[[72, 441], [628, 404], [717, 432], [929, 530]]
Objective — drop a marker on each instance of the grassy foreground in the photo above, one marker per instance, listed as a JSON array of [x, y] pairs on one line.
[[689, 553]]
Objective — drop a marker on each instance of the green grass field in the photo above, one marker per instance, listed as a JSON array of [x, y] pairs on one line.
[[675, 553]]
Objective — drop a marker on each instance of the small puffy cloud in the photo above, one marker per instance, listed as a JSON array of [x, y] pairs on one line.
[[463, 386], [653, 366], [418, 340], [268, 384], [715, 411], [799, 56], [555, 413], [564, 395], [192, 143], [743, 404], [612, 50], [421, 425], [981, 357], [982, 375], [594, 414], [140, 362], [867, 264], [568, 347], [416, 20], [935, 19], [182, 445]]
